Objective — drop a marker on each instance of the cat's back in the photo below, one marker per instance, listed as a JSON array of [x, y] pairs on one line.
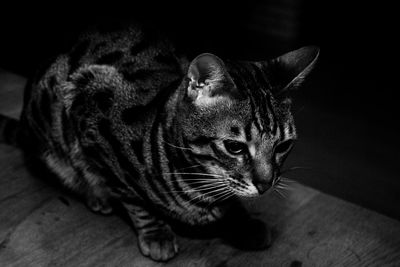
[[139, 56], [118, 75], [141, 59]]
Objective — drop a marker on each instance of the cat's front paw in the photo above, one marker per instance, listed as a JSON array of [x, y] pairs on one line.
[[159, 244], [99, 205]]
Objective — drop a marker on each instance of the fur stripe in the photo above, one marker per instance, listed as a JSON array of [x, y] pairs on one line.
[[99, 159], [160, 188], [241, 78], [271, 113], [173, 178], [131, 174], [176, 179], [247, 131]]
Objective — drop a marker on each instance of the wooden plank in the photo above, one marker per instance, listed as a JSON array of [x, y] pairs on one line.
[[330, 232]]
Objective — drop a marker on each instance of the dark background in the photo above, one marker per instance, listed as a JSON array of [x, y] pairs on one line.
[[347, 112]]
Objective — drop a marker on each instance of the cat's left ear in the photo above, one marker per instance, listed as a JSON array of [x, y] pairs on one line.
[[287, 72], [209, 80]]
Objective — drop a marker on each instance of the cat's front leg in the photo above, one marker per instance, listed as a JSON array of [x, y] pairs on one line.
[[155, 237]]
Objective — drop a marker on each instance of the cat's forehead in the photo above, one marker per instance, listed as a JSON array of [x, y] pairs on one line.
[[254, 84], [241, 119], [230, 112], [248, 77]]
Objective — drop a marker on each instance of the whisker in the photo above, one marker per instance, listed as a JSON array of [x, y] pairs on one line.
[[197, 189], [214, 194], [229, 194], [195, 185], [208, 194], [201, 179], [279, 193], [289, 184], [194, 173], [287, 180], [286, 183], [218, 189], [183, 148], [198, 184], [194, 181], [285, 188]]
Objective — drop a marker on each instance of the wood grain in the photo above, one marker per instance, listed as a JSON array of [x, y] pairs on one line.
[[42, 226]]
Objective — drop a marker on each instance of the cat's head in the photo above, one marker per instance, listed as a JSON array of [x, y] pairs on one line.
[[236, 117]]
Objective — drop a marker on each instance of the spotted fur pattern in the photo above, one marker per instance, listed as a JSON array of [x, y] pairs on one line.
[[122, 116]]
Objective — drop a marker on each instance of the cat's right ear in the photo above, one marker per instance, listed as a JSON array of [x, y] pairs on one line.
[[208, 80], [287, 72]]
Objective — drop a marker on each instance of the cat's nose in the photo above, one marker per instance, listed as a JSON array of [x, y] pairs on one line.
[[263, 182], [263, 177], [262, 186]]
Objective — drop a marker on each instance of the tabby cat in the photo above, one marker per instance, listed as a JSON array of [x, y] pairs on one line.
[[122, 116]]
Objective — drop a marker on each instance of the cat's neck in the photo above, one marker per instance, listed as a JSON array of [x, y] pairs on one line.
[[174, 139]]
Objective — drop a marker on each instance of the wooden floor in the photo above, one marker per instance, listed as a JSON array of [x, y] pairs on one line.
[[42, 226]]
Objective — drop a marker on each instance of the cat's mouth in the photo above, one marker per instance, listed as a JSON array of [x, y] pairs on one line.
[[222, 187], [251, 189], [245, 188]]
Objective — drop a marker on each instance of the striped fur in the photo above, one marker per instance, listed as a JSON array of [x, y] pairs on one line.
[[122, 116]]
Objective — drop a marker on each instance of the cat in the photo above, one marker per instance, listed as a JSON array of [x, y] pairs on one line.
[[122, 116]]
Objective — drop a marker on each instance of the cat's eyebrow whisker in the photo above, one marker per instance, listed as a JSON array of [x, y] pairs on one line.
[[172, 145]]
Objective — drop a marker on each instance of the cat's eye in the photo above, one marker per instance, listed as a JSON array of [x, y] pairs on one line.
[[235, 147], [283, 147]]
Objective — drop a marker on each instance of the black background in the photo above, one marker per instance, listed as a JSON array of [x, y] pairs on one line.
[[347, 113]]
